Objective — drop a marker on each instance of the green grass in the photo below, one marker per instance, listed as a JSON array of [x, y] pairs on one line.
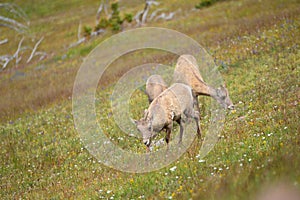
[[42, 156]]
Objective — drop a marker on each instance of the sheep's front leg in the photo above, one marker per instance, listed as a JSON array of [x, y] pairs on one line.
[[191, 114], [168, 133], [181, 130]]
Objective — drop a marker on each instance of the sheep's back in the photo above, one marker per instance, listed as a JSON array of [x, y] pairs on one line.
[[187, 72]]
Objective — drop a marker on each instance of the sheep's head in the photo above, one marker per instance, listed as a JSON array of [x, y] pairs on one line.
[[144, 127], [222, 96]]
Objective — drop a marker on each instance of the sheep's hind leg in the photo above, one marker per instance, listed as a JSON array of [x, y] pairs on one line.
[[196, 106], [197, 120], [168, 134], [194, 115], [197, 114]]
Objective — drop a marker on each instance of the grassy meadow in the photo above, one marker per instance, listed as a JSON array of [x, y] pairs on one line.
[[254, 43]]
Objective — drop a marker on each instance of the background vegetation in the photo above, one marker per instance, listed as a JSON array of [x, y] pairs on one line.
[[254, 43]]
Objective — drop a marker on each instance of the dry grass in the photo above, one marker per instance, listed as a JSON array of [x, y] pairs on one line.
[[54, 81]]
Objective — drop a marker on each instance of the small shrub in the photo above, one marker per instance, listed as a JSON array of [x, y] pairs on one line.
[[104, 23], [87, 31], [115, 20], [128, 17], [115, 26], [206, 3], [115, 7]]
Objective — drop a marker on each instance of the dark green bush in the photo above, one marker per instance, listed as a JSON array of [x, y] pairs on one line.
[[128, 17], [115, 26], [206, 3], [115, 21]]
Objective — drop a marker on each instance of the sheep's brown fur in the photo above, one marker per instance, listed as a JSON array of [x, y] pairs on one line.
[[187, 72], [173, 104]]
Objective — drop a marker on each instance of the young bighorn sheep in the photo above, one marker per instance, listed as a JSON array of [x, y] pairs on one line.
[[174, 104], [155, 85], [187, 72]]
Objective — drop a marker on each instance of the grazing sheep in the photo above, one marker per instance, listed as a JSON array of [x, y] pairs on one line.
[[174, 104], [155, 85], [187, 72]]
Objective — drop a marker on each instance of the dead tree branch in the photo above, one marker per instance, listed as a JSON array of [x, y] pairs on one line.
[[99, 12], [11, 23], [34, 49], [16, 55], [16, 11], [3, 41], [12, 27], [141, 16], [138, 16], [41, 54], [80, 39], [154, 13], [145, 12], [98, 32], [165, 16], [83, 39], [79, 31], [5, 60], [78, 42], [17, 20], [103, 5]]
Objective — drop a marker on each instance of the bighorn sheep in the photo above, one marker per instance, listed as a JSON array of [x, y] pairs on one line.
[[155, 85], [187, 72], [174, 104]]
